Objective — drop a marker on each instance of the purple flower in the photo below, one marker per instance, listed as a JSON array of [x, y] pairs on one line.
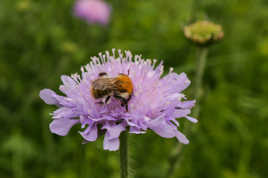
[[156, 102], [93, 11]]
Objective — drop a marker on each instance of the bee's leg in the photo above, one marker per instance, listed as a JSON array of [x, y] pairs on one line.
[[122, 100], [126, 107], [107, 99], [124, 103]]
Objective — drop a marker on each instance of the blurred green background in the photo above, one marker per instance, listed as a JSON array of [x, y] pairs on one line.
[[41, 40]]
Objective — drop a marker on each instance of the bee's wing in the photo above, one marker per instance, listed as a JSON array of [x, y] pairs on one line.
[[104, 84]]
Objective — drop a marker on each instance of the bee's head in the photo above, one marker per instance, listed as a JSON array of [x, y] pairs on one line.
[[103, 74]]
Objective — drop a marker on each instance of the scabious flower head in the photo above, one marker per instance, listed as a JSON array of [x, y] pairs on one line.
[[93, 11], [203, 33], [155, 104]]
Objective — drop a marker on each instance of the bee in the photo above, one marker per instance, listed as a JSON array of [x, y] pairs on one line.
[[119, 87]]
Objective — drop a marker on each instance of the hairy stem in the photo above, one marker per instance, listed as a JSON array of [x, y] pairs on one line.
[[124, 155], [200, 68]]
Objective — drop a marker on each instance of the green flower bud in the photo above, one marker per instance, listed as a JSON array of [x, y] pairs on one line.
[[203, 33], [23, 5]]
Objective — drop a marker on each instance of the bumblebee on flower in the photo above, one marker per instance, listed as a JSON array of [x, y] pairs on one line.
[[118, 93], [119, 87]]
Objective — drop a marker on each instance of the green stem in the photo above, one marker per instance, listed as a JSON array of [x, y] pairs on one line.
[[124, 155], [17, 162], [200, 68], [173, 159]]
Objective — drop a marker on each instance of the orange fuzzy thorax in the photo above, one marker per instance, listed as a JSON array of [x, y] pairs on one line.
[[126, 83]]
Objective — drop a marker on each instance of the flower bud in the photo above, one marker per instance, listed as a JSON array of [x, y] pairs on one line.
[[203, 33]]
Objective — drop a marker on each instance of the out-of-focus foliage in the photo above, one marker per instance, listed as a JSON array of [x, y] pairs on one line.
[[41, 40]]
